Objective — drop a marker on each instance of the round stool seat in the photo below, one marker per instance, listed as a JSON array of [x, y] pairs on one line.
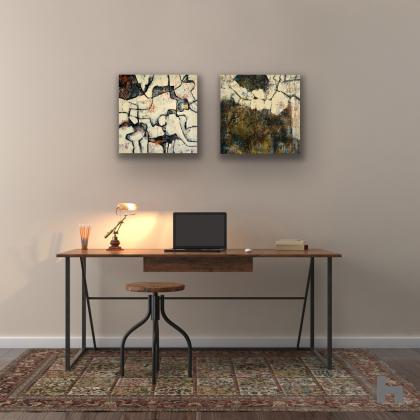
[[155, 287]]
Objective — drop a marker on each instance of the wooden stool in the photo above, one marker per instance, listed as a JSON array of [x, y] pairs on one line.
[[156, 307]]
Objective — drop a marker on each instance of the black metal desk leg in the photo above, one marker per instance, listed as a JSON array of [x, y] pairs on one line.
[[87, 299], [67, 316], [83, 316], [329, 293], [312, 317], [305, 299]]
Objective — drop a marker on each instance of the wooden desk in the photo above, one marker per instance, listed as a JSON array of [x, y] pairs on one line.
[[231, 260]]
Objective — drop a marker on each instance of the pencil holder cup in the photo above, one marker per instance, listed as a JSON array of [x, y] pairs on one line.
[[84, 235]]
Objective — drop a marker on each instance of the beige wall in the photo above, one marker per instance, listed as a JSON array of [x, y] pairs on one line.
[[354, 189]]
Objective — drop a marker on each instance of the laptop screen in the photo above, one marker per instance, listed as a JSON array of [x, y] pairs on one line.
[[199, 230]]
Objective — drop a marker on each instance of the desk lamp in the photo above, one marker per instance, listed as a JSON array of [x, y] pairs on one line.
[[124, 210]]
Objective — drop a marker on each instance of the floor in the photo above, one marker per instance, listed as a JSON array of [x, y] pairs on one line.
[[406, 363]]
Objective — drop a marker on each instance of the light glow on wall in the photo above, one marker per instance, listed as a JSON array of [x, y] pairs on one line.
[[142, 230]]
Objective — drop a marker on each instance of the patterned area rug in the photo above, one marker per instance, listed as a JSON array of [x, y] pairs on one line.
[[223, 380]]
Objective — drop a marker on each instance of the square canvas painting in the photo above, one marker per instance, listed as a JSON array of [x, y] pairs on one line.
[[157, 113], [260, 114]]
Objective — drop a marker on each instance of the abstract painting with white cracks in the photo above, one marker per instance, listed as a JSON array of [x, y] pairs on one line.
[[157, 113]]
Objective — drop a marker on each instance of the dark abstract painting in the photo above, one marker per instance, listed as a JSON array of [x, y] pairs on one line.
[[260, 114], [157, 113]]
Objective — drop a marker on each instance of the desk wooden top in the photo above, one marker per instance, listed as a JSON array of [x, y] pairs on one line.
[[257, 253]]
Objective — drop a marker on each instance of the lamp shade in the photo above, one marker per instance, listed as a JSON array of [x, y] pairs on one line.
[[126, 209]]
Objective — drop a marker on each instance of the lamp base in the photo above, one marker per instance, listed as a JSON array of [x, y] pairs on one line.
[[114, 245], [115, 248]]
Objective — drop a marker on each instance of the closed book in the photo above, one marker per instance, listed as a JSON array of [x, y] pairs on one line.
[[282, 242], [297, 247]]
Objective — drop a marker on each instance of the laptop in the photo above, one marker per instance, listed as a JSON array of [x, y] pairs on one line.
[[203, 231]]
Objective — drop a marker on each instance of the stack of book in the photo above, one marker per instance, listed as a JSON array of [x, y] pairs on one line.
[[291, 245]]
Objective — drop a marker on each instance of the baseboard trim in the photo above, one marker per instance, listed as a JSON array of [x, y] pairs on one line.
[[208, 342]]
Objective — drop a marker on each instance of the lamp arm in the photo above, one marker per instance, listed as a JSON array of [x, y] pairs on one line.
[[116, 228]]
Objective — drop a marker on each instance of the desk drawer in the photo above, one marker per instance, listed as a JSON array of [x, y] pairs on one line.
[[197, 264]]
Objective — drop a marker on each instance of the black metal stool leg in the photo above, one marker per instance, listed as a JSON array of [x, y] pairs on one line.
[[132, 329], [155, 340], [180, 330], [157, 347]]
